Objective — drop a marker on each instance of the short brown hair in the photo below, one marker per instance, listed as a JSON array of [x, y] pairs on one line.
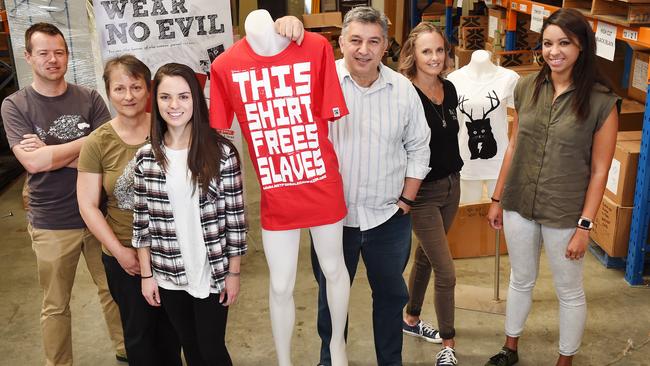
[[47, 28], [133, 67], [407, 55]]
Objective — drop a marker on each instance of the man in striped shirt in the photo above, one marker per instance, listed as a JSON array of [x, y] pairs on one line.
[[383, 152]]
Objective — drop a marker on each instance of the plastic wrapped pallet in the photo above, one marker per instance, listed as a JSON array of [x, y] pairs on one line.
[[69, 16]]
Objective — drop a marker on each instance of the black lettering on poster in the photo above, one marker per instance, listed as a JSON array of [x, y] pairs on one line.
[[170, 17]]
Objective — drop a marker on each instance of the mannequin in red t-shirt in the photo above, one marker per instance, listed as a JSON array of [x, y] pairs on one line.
[[281, 245]]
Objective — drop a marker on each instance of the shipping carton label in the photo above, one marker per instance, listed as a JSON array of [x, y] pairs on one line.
[[492, 25], [640, 77], [613, 176]]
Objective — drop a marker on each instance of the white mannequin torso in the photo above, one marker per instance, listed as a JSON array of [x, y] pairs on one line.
[[261, 34], [480, 66]]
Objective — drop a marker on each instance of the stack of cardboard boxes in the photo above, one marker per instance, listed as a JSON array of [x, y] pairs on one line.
[[328, 25], [612, 222], [472, 36]]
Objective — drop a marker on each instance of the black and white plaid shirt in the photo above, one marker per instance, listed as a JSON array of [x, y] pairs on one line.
[[222, 218]]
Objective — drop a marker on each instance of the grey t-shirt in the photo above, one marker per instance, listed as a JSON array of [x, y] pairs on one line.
[[56, 120]]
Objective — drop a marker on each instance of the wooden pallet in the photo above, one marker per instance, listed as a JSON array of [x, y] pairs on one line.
[[604, 258]]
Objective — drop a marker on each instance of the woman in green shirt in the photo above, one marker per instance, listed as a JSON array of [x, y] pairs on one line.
[[106, 164], [553, 177]]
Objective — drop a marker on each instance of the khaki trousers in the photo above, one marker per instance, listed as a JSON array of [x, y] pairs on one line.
[[57, 254]]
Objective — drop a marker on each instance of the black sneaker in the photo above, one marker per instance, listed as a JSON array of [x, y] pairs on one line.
[[446, 357], [505, 357]]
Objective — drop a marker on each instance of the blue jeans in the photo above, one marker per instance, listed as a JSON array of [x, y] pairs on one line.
[[385, 250]]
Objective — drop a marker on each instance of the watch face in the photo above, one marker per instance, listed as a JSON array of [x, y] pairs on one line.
[[585, 223]]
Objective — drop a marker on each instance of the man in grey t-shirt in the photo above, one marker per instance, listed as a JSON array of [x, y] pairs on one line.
[[46, 124]]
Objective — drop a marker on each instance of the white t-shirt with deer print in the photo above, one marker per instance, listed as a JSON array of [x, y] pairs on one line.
[[482, 117]]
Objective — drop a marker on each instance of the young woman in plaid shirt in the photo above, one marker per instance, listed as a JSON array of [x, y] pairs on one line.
[[189, 224]]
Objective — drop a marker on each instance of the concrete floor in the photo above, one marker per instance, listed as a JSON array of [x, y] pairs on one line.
[[617, 312]]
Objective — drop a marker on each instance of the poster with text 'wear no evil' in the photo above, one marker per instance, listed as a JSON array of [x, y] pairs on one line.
[[191, 32]]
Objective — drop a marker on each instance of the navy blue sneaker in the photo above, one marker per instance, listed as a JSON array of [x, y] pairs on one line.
[[422, 330]]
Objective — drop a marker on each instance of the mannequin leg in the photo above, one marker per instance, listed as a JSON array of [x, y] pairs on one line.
[[471, 191], [490, 184], [281, 250], [328, 243]]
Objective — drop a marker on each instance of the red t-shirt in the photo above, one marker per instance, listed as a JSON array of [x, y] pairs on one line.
[[283, 104]]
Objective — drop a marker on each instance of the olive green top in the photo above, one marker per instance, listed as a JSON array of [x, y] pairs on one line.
[[104, 152], [551, 165]]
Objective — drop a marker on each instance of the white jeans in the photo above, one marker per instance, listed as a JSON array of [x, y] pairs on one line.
[[525, 239]]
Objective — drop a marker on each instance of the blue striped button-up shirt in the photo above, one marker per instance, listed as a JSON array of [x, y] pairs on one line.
[[383, 140]]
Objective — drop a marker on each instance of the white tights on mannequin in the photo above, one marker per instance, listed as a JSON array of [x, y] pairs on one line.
[[471, 191], [281, 250]]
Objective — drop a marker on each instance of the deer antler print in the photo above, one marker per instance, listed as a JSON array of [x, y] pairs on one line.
[[492, 106], [462, 100]]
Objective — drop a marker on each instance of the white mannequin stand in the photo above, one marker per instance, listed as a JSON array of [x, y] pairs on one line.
[[281, 247], [470, 297], [480, 67]]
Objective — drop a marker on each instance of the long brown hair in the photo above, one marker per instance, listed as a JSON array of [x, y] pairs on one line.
[[407, 55], [206, 145], [584, 74]]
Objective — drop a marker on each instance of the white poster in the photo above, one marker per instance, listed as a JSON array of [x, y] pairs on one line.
[[605, 40], [537, 18], [191, 32]]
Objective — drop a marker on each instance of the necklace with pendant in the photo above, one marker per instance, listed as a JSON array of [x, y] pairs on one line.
[[440, 114]]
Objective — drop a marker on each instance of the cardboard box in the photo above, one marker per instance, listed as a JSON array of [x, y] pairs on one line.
[[612, 228], [638, 83], [513, 58], [322, 20], [523, 70], [631, 116], [496, 22], [461, 56], [328, 25], [629, 136], [471, 236], [473, 21], [613, 70], [621, 180], [473, 38]]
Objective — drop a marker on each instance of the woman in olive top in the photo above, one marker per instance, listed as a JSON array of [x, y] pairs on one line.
[[424, 59], [106, 164], [553, 177]]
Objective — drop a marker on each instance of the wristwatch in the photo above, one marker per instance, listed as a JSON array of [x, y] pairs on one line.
[[585, 223]]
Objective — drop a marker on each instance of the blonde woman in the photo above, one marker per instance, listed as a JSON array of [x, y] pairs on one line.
[[423, 59]]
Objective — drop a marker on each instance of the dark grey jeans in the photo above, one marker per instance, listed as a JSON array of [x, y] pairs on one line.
[[433, 213]]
